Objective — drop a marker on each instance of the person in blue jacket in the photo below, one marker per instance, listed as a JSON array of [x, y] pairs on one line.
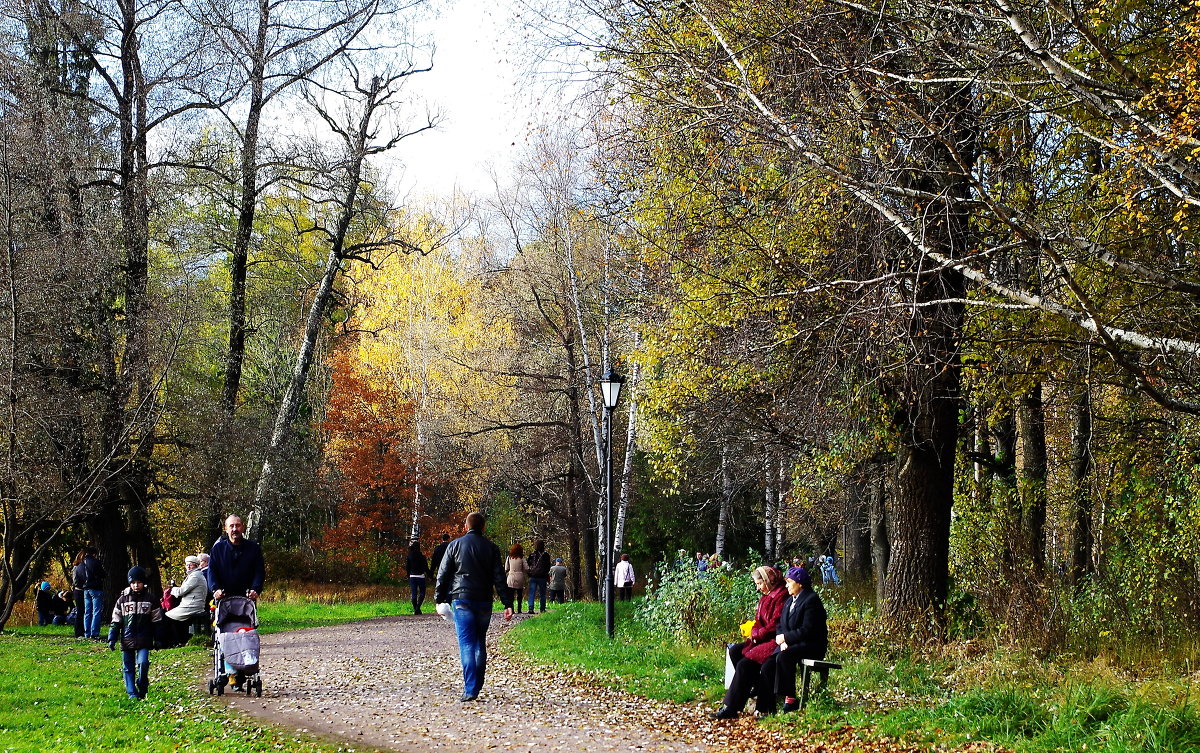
[[235, 565]]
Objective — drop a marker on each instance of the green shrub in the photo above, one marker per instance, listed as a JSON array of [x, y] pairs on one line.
[[699, 608]]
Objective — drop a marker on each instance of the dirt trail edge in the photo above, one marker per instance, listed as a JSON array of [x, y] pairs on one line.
[[394, 683]]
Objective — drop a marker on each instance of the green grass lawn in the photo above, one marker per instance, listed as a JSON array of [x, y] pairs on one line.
[[572, 636], [64, 695], [1012, 701]]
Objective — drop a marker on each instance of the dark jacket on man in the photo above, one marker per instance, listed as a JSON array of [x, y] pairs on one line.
[[236, 569], [539, 565], [435, 557], [88, 574], [470, 570]]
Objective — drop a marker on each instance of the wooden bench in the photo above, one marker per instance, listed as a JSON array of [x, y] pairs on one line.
[[807, 668]]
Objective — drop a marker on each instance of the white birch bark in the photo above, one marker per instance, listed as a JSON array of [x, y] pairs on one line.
[[627, 469], [770, 504], [358, 138], [726, 501]]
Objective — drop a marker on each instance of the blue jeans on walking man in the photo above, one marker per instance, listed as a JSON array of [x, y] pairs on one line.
[[93, 612], [471, 621], [536, 585]]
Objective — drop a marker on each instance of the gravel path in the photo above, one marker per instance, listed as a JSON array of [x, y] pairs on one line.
[[393, 683]]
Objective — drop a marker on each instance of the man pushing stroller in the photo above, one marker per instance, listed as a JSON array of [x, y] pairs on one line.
[[235, 564], [235, 568]]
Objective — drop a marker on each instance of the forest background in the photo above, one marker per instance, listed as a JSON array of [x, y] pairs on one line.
[[909, 284]]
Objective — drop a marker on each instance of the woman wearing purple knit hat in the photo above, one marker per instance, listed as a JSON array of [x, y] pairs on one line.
[[802, 634]]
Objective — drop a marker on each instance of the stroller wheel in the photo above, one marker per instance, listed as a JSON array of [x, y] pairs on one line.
[[258, 687], [212, 686], [220, 688]]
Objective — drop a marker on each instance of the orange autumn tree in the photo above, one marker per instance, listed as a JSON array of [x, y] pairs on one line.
[[370, 440]]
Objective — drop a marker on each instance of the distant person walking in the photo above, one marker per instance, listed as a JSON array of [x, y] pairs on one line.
[[517, 574], [539, 571], [557, 584], [466, 578], [77, 593], [89, 578], [623, 578], [829, 576], [435, 557], [418, 568]]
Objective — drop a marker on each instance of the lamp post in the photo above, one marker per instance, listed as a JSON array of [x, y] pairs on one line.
[[610, 390]]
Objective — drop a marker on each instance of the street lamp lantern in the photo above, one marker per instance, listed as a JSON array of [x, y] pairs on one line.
[[610, 390]]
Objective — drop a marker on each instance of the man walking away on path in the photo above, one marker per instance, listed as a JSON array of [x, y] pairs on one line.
[[435, 557], [539, 571], [558, 581], [418, 568], [235, 563], [468, 573], [623, 578]]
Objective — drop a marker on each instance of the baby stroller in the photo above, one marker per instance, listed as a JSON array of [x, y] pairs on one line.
[[235, 646]]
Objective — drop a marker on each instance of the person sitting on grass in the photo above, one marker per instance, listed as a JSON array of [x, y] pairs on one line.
[[134, 623], [44, 603]]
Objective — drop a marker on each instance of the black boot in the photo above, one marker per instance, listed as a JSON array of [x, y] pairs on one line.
[[725, 713]]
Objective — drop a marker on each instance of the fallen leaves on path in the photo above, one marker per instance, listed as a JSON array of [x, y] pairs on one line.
[[394, 684]]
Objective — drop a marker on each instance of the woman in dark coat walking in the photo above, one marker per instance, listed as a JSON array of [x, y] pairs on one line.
[[418, 569]]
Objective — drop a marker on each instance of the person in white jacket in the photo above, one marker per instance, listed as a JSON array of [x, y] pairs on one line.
[[193, 601], [623, 578]]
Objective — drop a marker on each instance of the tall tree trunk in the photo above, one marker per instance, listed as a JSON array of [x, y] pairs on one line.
[[247, 204], [1003, 483], [781, 510], [626, 497], [856, 534], [927, 429], [881, 547], [726, 510], [1079, 469], [575, 528], [1031, 415], [770, 505], [358, 141]]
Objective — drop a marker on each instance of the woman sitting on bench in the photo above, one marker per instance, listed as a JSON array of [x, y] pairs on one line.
[[802, 634], [748, 657]]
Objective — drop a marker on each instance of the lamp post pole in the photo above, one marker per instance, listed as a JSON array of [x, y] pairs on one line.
[[610, 388], [609, 608]]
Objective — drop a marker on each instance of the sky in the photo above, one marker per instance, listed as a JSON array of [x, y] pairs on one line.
[[484, 100]]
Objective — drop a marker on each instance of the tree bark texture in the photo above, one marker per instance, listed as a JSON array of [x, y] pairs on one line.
[[1080, 472], [1031, 416]]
